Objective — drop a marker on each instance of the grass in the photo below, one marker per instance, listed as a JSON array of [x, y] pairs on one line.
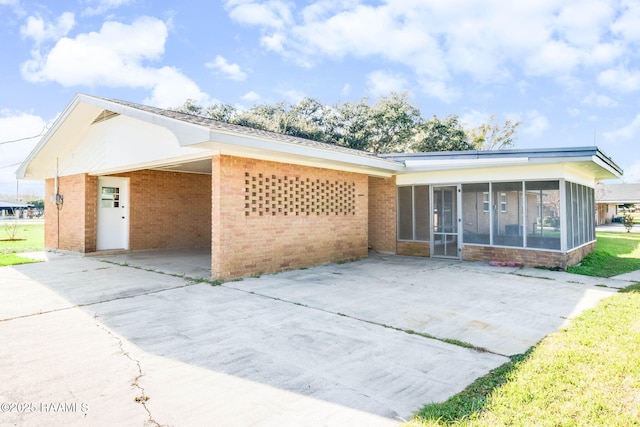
[[616, 253], [587, 374], [31, 239]]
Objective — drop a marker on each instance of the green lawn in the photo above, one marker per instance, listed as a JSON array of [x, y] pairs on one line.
[[616, 253], [31, 239], [585, 375]]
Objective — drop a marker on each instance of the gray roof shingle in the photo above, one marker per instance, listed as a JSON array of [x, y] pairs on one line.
[[618, 193], [244, 130]]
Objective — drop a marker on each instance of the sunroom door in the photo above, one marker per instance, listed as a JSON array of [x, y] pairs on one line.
[[445, 219]]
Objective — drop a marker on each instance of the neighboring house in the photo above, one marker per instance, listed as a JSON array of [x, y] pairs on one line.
[[611, 197], [123, 176], [12, 209]]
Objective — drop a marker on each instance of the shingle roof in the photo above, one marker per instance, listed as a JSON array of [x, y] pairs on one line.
[[618, 193], [244, 130]]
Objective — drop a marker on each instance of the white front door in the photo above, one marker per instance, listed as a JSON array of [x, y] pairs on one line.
[[113, 213]]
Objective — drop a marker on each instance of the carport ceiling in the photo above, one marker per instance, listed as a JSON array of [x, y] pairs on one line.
[[199, 166]]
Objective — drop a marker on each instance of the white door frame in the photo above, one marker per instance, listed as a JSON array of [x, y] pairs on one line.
[[112, 222], [456, 222]]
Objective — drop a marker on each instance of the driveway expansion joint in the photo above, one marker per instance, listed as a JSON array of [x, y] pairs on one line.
[[449, 341]]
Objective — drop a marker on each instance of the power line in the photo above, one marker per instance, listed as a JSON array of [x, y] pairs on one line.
[[8, 166], [20, 139], [28, 137]]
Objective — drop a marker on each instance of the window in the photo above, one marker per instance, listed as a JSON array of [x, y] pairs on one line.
[[475, 214], [580, 212], [543, 214], [405, 213], [413, 213], [110, 197], [507, 226]]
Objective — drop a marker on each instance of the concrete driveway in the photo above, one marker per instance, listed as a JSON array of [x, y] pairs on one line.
[[90, 342]]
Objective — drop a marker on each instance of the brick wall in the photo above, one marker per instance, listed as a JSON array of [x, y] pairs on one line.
[[523, 256], [168, 209], [575, 256], [382, 214], [269, 216], [73, 226], [414, 248]]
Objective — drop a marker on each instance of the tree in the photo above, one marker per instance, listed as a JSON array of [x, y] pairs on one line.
[[441, 135], [190, 106], [393, 121], [491, 135], [390, 125], [222, 112], [627, 220]]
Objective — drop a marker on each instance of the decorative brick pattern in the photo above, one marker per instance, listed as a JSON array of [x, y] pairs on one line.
[[245, 245], [268, 194], [382, 214]]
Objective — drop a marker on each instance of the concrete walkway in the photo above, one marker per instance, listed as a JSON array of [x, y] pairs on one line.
[[116, 345]]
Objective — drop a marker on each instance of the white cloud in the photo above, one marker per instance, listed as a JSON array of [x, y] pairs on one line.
[[271, 14], [382, 83], [40, 31], [595, 100], [620, 79], [293, 95], [440, 90], [251, 96], [534, 123], [171, 88], [346, 89], [474, 118], [626, 26], [223, 67], [583, 22], [488, 41], [116, 56], [16, 125], [104, 5], [625, 133]]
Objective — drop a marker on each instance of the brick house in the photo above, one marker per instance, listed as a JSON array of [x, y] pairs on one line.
[[124, 176]]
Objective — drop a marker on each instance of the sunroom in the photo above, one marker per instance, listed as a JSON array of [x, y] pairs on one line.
[[545, 216]]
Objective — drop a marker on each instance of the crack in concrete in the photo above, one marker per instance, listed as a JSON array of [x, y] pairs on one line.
[[142, 398]]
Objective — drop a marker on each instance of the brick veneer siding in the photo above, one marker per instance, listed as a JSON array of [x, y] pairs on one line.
[[73, 226], [382, 214], [526, 256], [414, 248], [575, 256], [245, 243], [168, 210]]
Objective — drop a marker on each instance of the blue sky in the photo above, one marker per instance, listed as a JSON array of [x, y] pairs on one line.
[[569, 70]]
